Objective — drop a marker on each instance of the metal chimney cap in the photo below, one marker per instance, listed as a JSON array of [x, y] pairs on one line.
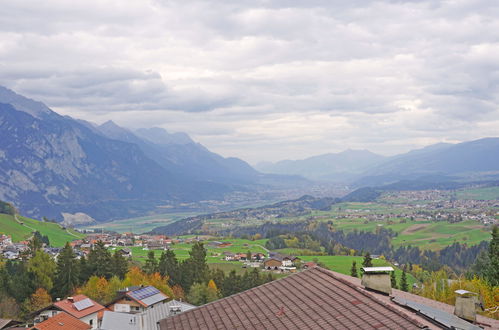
[[462, 292], [377, 269]]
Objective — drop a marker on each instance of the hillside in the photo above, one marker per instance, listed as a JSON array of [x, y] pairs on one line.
[[57, 236]]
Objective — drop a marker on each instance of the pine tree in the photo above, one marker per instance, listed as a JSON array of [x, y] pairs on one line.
[[368, 261], [100, 261], [393, 280], [403, 282], [492, 272], [169, 266], [353, 270], [120, 265], [231, 284], [66, 276], [151, 265]]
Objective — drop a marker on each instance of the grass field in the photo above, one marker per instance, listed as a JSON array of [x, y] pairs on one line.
[[487, 193], [343, 264], [57, 236], [142, 224], [437, 235]]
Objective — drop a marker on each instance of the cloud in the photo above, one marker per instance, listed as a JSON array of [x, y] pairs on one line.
[[264, 80]]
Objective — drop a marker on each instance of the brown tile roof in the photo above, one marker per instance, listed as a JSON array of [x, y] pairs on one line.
[[62, 321], [68, 307], [313, 299]]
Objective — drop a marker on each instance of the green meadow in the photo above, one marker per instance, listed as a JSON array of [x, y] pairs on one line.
[[57, 236], [343, 264]]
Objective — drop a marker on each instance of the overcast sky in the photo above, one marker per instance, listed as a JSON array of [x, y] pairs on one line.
[[264, 80]]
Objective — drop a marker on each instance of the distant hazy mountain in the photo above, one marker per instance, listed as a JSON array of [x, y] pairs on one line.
[[180, 155], [333, 166], [161, 136], [51, 164], [441, 162]]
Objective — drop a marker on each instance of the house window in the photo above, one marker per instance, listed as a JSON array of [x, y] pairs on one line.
[[91, 322]]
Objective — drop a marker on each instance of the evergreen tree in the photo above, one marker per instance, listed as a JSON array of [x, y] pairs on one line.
[[169, 266], [194, 269], [66, 275], [368, 261], [100, 261], [248, 255], [404, 286], [393, 280], [231, 284], [353, 270], [492, 272], [84, 272], [35, 243], [120, 265], [151, 265]]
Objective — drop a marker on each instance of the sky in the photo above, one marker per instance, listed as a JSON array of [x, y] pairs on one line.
[[264, 80]]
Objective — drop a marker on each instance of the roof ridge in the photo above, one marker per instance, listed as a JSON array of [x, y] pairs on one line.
[[245, 291], [369, 295]]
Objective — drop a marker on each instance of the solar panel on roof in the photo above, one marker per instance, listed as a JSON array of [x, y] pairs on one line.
[[144, 293], [451, 321], [83, 304]]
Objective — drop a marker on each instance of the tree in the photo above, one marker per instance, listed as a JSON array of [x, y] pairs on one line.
[[231, 284], [169, 266], [120, 265], [100, 261], [35, 243], [43, 267], [151, 265], [213, 292], [39, 299], [492, 272], [98, 289], [404, 286], [9, 308], [368, 261], [66, 275], [353, 270], [248, 255], [393, 280], [194, 269], [200, 294]]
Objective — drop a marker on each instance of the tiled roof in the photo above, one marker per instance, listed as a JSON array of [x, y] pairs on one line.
[[69, 307], [313, 299], [62, 321]]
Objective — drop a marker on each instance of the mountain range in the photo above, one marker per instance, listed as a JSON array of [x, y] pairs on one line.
[[52, 164], [443, 162]]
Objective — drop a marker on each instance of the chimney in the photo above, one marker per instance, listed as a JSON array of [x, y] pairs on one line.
[[377, 279], [70, 299], [466, 304]]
